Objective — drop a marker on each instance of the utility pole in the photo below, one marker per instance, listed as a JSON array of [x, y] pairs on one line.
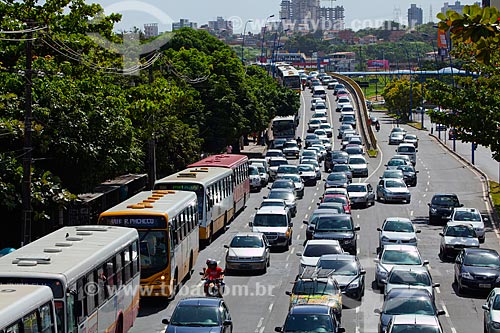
[[26, 184], [151, 144]]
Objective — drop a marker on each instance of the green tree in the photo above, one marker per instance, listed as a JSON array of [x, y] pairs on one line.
[[400, 94]]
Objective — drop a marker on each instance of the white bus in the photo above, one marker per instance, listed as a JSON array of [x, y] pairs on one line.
[[167, 222], [214, 188], [27, 308], [93, 272]]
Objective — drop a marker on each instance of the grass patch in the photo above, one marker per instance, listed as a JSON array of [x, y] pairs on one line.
[[372, 152], [495, 195], [416, 125]]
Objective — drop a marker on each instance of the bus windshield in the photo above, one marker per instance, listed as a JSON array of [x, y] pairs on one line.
[[154, 256]]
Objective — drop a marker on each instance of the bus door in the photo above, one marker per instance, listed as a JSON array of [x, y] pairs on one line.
[[173, 261]]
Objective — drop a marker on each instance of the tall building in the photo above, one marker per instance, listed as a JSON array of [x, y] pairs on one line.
[[221, 26], [150, 30], [415, 16], [286, 10], [458, 7], [308, 15], [332, 18], [184, 23], [491, 3]]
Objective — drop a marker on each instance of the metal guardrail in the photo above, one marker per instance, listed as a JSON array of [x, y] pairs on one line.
[[366, 130]]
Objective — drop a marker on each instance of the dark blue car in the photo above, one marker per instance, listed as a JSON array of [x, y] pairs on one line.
[[200, 315], [477, 269], [310, 318]]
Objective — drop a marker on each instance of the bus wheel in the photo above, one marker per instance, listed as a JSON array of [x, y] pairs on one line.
[[175, 285], [190, 272]]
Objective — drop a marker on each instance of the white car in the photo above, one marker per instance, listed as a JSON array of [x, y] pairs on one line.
[[314, 249], [327, 143], [274, 164], [455, 237], [254, 177], [411, 138], [314, 101], [361, 193], [396, 255], [337, 190], [414, 323], [264, 176], [358, 165], [492, 312], [410, 277], [397, 230], [308, 174], [314, 163], [248, 251], [291, 149], [393, 190], [327, 127], [471, 216]]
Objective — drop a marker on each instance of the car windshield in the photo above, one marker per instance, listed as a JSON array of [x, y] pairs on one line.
[[396, 162], [406, 328], [410, 278], [335, 199], [293, 178], [496, 303], [277, 162], [340, 267], [314, 287], [394, 183], [282, 184], [307, 168], [460, 231], [339, 155], [357, 161], [408, 305], [273, 203], [398, 226], [317, 250], [320, 132], [247, 241], [337, 176], [253, 171], [195, 315], [410, 137], [482, 260], [325, 126], [308, 323], [287, 196], [445, 200], [397, 257], [261, 169], [311, 137], [406, 149], [356, 188], [287, 169], [393, 174], [290, 145], [406, 168], [270, 220], [274, 154], [332, 205], [466, 216], [308, 153], [311, 162], [353, 151], [333, 223]]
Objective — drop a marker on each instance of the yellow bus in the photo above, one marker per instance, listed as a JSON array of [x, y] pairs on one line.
[[214, 188], [167, 222]]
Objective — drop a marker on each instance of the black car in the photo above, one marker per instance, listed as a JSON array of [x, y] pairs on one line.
[[339, 227], [335, 157], [200, 314], [409, 174], [278, 143], [400, 301], [336, 179], [477, 269], [441, 207], [349, 274], [311, 318]]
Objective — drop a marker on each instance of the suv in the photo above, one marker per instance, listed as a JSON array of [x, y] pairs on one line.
[[275, 223], [441, 207], [339, 227]]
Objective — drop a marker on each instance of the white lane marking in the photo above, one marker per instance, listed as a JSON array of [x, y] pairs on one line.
[[298, 237], [271, 307], [286, 265], [438, 290], [426, 189], [445, 310], [424, 195], [302, 226], [312, 201], [287, 257], [262, 329], [453, 330], [303, 115], [419, 202], [292, 250], [411, 213], [357, 216], [428, 183], [305, 217], [261, 321], [200, 284], [309, 208]]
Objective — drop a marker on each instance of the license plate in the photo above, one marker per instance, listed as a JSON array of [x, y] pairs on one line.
[[484, 285]]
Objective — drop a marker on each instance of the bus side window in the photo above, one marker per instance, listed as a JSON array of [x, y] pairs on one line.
[[101, 284], [187, 229], [15, 328], [127, 262], [110, 274], [118, 269], [46, 319], [80, 304], [30, 323], [90, 296], [135, 259]]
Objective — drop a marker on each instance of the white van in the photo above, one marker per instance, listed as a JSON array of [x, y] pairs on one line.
[[275, 223], [409, 150], [262, 161], [319, 91]]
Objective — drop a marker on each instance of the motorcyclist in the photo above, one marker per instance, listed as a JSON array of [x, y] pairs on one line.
[[299, 142], [377, 126], [213, 273]]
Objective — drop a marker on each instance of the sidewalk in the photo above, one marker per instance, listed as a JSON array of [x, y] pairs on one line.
[[254, 149]]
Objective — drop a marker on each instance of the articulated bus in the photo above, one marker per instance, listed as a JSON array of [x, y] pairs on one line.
[[239, 166], [289, 77], [93, 272], [27, 308], [214, 189], [167, 222]]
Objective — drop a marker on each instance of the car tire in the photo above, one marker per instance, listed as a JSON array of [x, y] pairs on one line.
[[431, 220], [481, 240]]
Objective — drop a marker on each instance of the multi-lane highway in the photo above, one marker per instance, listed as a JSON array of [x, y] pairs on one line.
[[258, 302]]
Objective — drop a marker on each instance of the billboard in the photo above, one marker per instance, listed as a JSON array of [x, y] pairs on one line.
[[378, 64]]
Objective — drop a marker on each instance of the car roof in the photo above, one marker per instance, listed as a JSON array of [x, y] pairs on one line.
[[322, 242], [465, 209], [271, 210], [405, 144], [417, 269], [200, 301], [399, 247], [406, 293], [310, 309], [274, 200], [364, 184], [457, 223], [445, 195], [332, 257], [401, 219], [248, 234], [416, 319], [476, 250]]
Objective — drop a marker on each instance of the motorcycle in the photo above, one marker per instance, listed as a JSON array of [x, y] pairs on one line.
[[212, 287], [377, 127]]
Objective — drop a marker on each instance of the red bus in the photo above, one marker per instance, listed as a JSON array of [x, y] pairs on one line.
[[239, 165]]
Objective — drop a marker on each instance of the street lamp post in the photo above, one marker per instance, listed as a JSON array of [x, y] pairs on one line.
[[411, 82], [276, 49], [419, 59], [243, 42], [263, 38]]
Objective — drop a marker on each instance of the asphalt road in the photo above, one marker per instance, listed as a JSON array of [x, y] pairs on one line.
[[258, 302]]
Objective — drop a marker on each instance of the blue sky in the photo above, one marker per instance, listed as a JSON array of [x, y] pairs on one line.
[[359, 14]]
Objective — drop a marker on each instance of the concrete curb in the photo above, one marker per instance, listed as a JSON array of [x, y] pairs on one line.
[[492, 212]]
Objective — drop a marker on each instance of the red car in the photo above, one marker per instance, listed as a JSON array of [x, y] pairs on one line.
[[344, 200]]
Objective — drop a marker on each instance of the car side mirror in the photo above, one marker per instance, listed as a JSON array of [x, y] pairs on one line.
[[417, 171], [429, 204], [441, 312], [250, 224], [458, 261], [357, 228], [226, 246], [298, 254], [485, 307], [383, 281], [305, 222], [425, 263], [461, 205], [378, 229], [278, 329], [264, 197], [289, 293], [376, 260], [362, 272], [340, 330], [435, 285], [418, 231], [290, 224], [416, 150], [227, 322], [165, 321], [441, 234], [377, 311]]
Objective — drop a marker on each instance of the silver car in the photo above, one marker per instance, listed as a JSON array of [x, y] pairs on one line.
[[358, 165], [361, 193], [471, 216], [492, 312], [297, 182], [394, 255], [397, 230], [455, 237], [410, 277], [248, 251], [393, 190]]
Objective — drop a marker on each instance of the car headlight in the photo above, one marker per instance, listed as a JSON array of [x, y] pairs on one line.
[[413, 240], [353, 285], [495, 325], [433, 210], [282, 234], [385, 239], [348, 241], [231, 258], [466, 275]]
